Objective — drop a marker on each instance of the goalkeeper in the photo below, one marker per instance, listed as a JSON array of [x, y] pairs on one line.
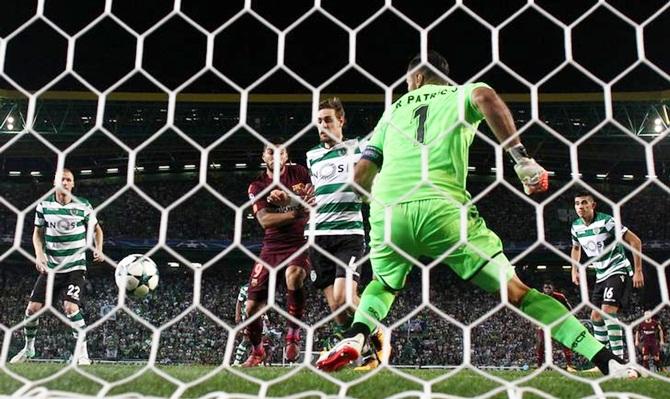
[[419, 150]]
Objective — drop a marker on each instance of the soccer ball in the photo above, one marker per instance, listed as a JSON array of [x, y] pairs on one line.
[[137, 274]]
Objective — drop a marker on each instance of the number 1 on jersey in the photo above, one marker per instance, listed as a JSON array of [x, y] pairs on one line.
[[422, 113]]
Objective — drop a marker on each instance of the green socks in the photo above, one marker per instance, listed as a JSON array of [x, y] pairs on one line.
[[376, 302], [570, 332]]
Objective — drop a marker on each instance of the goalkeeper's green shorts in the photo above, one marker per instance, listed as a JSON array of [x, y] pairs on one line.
[[432, 228]]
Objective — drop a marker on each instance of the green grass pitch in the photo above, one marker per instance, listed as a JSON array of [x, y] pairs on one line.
[[385, 383]]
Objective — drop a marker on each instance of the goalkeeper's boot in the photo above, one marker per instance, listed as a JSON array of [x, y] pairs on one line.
[[370, 362], [622, 371], [345, 352], [376, 354], [612, 365], [292, 345], [255, 358], [24, 355], [570, 369]]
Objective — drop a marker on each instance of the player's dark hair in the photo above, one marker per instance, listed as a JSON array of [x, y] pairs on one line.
[[436, 61], [548, 282], [65, 169], [583, 193], [333, 103], [276, 141]]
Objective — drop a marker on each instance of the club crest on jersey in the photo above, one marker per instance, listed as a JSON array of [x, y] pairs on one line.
[[330, 169]]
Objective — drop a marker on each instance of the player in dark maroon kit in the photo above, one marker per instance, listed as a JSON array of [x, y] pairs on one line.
[[649, 333], [283, 244], [548, 289]]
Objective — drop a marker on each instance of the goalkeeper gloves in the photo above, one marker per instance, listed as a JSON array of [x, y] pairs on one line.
[[533, 176]]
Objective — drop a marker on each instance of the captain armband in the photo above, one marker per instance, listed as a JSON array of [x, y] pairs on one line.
[[373, 154]]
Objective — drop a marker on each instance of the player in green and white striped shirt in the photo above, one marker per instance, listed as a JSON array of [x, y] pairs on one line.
[[594, 232], [59, 239], [337, 222]]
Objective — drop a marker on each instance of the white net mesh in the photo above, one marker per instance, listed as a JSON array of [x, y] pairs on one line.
[[606, 132]]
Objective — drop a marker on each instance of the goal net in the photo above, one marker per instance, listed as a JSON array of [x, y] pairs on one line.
[[164, 113]]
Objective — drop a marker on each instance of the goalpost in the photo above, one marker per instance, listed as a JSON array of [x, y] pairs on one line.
[[515, 387]]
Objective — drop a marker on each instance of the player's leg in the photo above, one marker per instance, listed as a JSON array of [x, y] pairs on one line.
[[37, 298], [390, 270], [258, 294], [29, 332], [242, 349], [323, 269], [349, 250], [73, 291], [255, 328], [494, 271], [615, 298], [656, 355], [645, 356], [295, 300], [597, 321], [614, 329]]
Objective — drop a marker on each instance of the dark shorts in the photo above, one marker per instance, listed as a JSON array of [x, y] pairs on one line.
[[615, 291], [348, 249], [258, 280], [69, 287], [651, 348]]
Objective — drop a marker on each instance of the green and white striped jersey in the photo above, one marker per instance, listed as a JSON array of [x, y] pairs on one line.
[[596, 239], [65, 232], [242, 297], [338, 209]]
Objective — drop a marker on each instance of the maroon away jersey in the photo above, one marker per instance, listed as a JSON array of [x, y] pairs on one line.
[[290, 236], [648, 331]]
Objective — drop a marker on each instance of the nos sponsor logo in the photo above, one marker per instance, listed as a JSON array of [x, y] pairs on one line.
[[63, 225]]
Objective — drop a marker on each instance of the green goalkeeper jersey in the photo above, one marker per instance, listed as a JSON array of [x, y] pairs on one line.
[[424, 139]]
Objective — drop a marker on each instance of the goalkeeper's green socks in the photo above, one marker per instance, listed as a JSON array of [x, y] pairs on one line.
[[570, 332], [375, 304]]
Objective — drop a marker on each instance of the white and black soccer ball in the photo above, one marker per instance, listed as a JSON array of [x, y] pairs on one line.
[[137, 274]]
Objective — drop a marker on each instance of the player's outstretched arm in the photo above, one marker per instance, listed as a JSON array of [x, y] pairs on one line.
[[634, 241], [534, 178], [576, 256], [364, 174], [97, 254], [38, 245]]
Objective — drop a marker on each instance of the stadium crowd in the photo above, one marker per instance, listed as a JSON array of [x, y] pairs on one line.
[[202, 216]]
